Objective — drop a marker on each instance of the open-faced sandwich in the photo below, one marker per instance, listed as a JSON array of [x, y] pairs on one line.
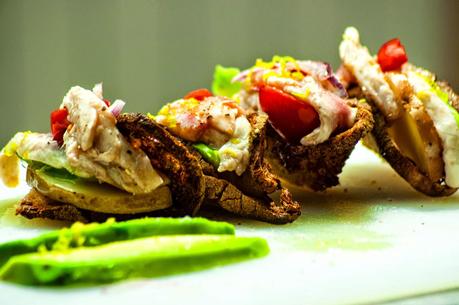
[[230, 147], [85, 167], [98, 162], [314, 126], [416, 116]]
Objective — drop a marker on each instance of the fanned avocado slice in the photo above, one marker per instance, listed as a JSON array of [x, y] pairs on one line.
[[95, 234], [144, 257]]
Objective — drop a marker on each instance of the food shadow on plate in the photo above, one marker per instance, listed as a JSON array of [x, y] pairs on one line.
[[365, 191]]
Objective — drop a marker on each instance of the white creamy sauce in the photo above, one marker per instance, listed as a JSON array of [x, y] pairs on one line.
[[444, 122], [367, 71], [234, 154]]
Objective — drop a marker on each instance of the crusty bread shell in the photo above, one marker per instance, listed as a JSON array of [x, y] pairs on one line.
[[318, 166], [248, 195], [404, 166], [380, 141]]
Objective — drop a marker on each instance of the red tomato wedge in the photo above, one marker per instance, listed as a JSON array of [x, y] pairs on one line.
[[107, 102], [291, 117], [198, 94], [59, 124], [392, 55]]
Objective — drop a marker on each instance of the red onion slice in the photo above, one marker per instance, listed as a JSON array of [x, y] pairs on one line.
[[324, 73], [337, 86], [318, 69], [116, 107]]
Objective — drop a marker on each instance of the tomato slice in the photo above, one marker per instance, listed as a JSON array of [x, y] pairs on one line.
[[59, 124], [291, 117], [198, 94], [392, 55], [107, 102]]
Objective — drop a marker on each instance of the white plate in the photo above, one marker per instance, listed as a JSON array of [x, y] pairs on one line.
[[371, 239]]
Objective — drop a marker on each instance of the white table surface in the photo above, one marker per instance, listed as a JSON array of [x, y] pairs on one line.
[[372, 239]]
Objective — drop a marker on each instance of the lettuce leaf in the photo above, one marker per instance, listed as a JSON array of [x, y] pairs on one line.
[[38, 147], [222, 84], [59, 173], [435, 88]]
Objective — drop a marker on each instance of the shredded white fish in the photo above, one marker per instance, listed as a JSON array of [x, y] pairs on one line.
[[93, 144], [368, 73]]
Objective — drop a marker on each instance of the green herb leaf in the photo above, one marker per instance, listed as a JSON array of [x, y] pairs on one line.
[[59, 173], [222, 84], [208, 153]]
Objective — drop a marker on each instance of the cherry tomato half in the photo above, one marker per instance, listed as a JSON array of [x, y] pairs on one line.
[[392, 55], [291, 117], [59, 124], [198, 94]]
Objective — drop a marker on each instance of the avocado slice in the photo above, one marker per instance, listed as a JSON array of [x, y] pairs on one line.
[[90, 235], [146, 257]]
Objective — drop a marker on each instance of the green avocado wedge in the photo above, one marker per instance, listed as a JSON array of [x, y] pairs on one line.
[[144, 257], [208, 153], [95, 234]]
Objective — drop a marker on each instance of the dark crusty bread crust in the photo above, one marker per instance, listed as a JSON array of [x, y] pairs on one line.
[[318, 166], [37, 205], [170, 156], [247, 195], [225, 195]]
